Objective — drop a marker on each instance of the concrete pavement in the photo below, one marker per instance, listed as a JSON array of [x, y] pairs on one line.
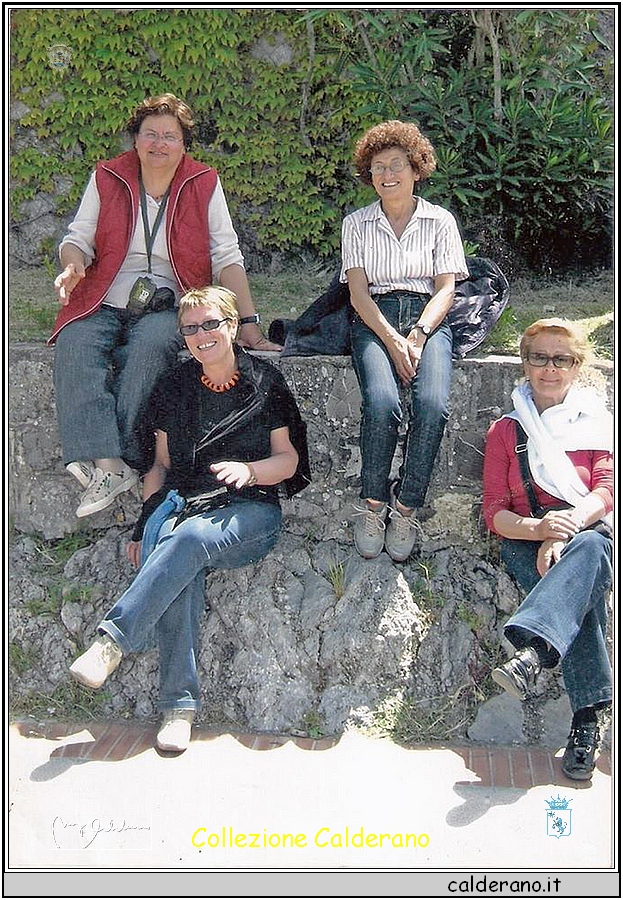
[[98, 795]]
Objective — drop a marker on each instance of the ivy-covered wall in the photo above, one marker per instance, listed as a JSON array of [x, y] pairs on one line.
[[517, 102], [270, 114]]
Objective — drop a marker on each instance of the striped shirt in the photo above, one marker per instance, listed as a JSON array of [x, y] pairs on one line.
[[430, 245]]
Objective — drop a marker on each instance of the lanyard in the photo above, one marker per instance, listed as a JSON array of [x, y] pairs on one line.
[[150, 236]]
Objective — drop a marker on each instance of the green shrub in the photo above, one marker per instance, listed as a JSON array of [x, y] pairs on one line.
[[517, 102]]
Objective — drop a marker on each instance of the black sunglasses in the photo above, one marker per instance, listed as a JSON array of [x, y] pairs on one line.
[[208, 325]]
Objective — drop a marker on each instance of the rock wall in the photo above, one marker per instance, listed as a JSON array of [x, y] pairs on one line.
[[313, 637], [42, 498]]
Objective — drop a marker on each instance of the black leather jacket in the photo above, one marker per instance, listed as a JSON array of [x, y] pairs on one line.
[[324, 328]]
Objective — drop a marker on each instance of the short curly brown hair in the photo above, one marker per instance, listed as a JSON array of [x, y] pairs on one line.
[[164, 105], [406, 136]]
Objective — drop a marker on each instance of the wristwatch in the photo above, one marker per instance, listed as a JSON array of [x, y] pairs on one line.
[[250, 320], [425, 329]]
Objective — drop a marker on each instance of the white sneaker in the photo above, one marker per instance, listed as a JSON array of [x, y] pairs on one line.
[[104, 487], [97, 663], [82, 470], [369, 530], [174, 734], [401, 534]]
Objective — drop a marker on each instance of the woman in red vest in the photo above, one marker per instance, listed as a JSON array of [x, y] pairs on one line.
[[153, 223]]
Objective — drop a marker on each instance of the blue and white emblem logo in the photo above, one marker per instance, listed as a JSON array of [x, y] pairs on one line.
[[558, 817]]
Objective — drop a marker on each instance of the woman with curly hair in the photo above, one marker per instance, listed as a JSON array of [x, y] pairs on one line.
[[401, 257]]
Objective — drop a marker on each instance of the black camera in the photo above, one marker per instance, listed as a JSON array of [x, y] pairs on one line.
[[146, 297]]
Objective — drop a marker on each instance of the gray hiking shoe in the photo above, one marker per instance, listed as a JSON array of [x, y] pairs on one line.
[[369, 530], [401, 534]]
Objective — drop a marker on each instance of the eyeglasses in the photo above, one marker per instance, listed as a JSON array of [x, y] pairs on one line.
[[396, 166], [208, 325], [150, 137], [539, 360]]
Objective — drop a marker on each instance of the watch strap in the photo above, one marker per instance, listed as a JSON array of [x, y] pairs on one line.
[[250, 320]]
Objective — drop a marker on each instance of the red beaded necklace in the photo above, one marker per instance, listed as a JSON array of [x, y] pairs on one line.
[[220, 388]]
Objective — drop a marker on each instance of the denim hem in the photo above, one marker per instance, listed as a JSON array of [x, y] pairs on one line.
[[166, 705], [386, 499], [117, 636], [539, 630], [415, 504], [603, 696]]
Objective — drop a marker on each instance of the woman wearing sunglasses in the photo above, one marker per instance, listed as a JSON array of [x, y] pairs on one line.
[[228, 433], [153, 223], [548, 493]]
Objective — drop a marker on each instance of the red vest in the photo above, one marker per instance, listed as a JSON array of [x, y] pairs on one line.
[[187, 233]]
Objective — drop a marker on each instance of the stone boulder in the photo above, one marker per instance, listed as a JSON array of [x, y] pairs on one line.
[[313, 638]]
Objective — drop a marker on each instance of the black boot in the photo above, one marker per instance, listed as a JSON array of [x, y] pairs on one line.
[[518, 676], [578, 761]]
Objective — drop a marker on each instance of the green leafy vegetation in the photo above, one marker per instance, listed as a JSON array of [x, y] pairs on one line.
[[50, 562], [313, 725], [519, 104], [269, 114], [337, 578], [52, 555]]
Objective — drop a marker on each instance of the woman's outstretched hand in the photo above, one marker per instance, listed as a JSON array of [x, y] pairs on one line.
[[64, 284]]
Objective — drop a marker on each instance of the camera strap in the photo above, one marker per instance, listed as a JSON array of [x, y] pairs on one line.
[[150, 234]]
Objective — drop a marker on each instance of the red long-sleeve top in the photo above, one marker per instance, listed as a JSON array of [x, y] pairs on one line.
[[503, 487]]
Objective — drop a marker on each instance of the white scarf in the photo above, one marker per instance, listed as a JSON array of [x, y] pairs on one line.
[[580, 422]]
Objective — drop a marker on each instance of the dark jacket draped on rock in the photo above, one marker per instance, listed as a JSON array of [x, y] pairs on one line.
[[324, 328]]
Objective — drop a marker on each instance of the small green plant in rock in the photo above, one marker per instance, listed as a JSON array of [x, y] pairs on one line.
[[312, 723], [473, 621], [384, 720], [72, 593], [20, 658], [435, 719], [48, 604], [428, 601], [55, 594], [53, 555], [490, 654], [337, 578]]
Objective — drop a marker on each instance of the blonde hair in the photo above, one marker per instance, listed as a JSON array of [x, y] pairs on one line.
[[218, 297], [579, 347]]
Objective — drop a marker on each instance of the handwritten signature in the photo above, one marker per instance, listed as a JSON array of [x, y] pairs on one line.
[[86, 832]]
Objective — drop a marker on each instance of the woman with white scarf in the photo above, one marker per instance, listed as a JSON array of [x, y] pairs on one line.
[[560, 557]]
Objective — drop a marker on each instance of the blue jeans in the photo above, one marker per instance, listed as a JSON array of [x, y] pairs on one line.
[[567, 608], [168, 593], [382, 407], [105, 369]]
